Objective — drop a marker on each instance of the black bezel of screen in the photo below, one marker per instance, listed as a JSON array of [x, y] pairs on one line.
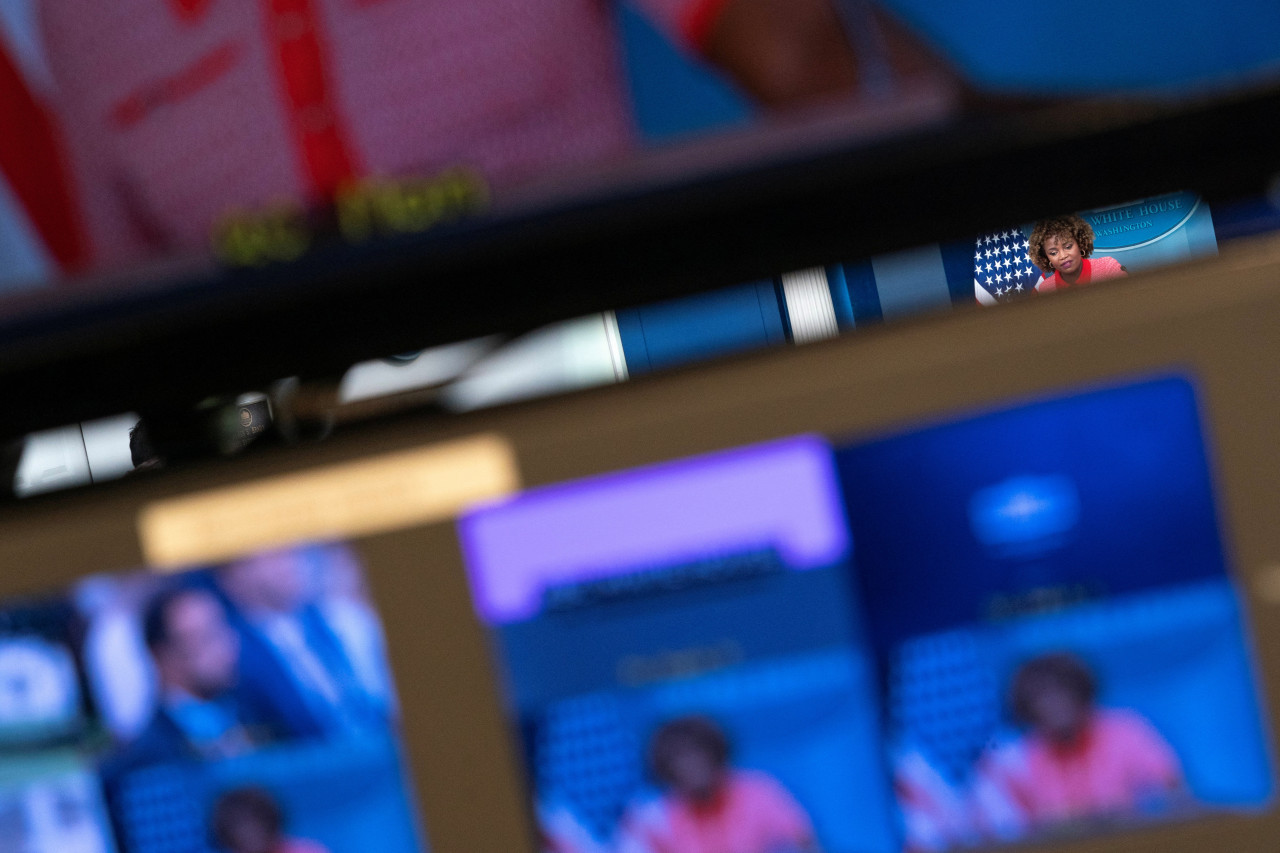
[[84, 351]]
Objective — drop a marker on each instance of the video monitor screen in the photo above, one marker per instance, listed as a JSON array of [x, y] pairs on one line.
[[1104, 245], [1052, 610], [252, 132], [246, 706], [1016, 625]]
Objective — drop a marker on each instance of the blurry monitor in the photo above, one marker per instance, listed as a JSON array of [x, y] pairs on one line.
[[256, 133]]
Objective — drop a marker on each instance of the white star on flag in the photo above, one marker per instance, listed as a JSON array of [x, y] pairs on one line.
[[1003, 269]]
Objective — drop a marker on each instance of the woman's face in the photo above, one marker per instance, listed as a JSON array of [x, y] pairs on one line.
[[1057, 711], [1063, 253], [694, 772], [252, 836]]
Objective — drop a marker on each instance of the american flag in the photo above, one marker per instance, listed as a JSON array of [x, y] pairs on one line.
[[1001, 268]]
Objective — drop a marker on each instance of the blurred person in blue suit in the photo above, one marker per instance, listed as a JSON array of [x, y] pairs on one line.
[[202, 714], [290, 656], [345, 602]]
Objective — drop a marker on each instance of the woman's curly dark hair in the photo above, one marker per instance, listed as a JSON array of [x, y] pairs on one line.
[[244, 805], [1059, 668], [682, 733], [1059, 226]]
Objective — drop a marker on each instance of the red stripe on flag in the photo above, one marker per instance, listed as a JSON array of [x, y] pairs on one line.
[[31, 158], [318, 129]]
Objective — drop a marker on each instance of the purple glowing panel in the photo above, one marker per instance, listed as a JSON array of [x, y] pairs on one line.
[[781, 495]]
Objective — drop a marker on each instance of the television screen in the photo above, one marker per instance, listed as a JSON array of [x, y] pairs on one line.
[[255, 132], [247, 706]]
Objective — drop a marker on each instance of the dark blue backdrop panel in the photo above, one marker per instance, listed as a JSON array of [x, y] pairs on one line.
[[840, 299], [672, 93], [1097, 45], [1246, 218], [559, 655], [957, 260], [686, 330], [1117, 477], [859, 283]]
